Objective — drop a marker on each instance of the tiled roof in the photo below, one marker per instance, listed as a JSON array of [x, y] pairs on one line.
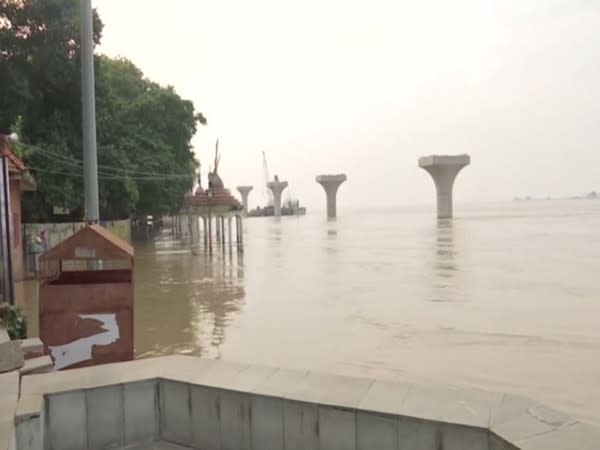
[[15, 163], [105, 245], [113, 239], [220, 197]]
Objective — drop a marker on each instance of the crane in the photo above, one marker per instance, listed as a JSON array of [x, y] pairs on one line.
[[269, 194]]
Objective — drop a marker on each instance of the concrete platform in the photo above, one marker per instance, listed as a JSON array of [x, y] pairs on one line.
[[182, 402], [32, 347], [37, 365], [159, 445]]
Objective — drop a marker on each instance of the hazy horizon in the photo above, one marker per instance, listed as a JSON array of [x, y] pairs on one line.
[[366, 88]]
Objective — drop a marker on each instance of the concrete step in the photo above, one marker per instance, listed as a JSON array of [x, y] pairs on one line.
[[32, 347], [11, 356], [158, 445], [37, 365]]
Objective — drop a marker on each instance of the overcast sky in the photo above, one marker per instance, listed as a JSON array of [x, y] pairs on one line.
[[365, 87]]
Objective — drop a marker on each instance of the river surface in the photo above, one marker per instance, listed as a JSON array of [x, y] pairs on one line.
[[505, 297]]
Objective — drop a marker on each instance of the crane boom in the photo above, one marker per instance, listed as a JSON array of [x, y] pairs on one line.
[[269, 194]]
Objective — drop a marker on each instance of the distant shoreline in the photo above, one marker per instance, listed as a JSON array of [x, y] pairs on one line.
[[591, 196]]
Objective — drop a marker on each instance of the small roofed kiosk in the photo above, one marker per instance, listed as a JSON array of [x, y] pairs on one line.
[[86, 301]]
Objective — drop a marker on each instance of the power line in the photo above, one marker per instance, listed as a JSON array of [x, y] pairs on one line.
[[131, 175], [105, 169], [105, 177]]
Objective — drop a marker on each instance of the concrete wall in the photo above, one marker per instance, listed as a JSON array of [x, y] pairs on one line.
[[208, 404], [9, 394]]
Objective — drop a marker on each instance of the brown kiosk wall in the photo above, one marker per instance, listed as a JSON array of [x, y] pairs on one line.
[[87, 298]]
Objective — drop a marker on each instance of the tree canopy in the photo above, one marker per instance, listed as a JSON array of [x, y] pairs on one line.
[[144, 130]]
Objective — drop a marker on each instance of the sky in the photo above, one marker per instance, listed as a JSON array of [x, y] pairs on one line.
[[366, 87]]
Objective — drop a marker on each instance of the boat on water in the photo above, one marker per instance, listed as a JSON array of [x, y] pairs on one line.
[[289, 208]]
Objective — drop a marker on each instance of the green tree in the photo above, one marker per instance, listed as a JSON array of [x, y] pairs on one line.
[[39, 66], [148, 129], [142, 128]]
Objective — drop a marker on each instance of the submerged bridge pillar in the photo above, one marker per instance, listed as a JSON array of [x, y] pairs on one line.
[[443, 169], [277, 188], [331, 184], [244, 192]]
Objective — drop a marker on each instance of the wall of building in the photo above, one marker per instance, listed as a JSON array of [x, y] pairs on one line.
[[17, 239]]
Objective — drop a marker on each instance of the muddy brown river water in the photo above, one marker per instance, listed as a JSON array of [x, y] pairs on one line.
[[505, 297]]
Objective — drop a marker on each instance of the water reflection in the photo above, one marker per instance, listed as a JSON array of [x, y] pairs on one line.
[[275, 230], [445, 265], [445, 261], [188, 301]]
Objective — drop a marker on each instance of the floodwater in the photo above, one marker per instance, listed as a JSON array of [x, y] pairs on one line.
[[505, 297]]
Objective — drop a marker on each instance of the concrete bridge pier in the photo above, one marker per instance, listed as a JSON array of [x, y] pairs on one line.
[[244, 192], [331, 184], [277, 188], [444, 169]]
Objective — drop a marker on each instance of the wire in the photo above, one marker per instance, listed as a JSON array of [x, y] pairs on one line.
[[105, 177], [105, 170]]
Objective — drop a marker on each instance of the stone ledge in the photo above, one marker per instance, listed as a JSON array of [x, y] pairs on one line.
[[157, 445], [513, 422], [11, 356], [346, 392], [98, 376], [37, 365], [527, 419], [458, 406], [577, 436], [29, 406], [32, 347]]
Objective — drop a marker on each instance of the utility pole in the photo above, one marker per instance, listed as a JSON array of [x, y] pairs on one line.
[[88, 102]]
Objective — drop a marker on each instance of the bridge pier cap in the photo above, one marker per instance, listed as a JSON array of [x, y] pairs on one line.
[[444, 160], [332, 179], [244, 190], [277, 185], [444, 169]]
